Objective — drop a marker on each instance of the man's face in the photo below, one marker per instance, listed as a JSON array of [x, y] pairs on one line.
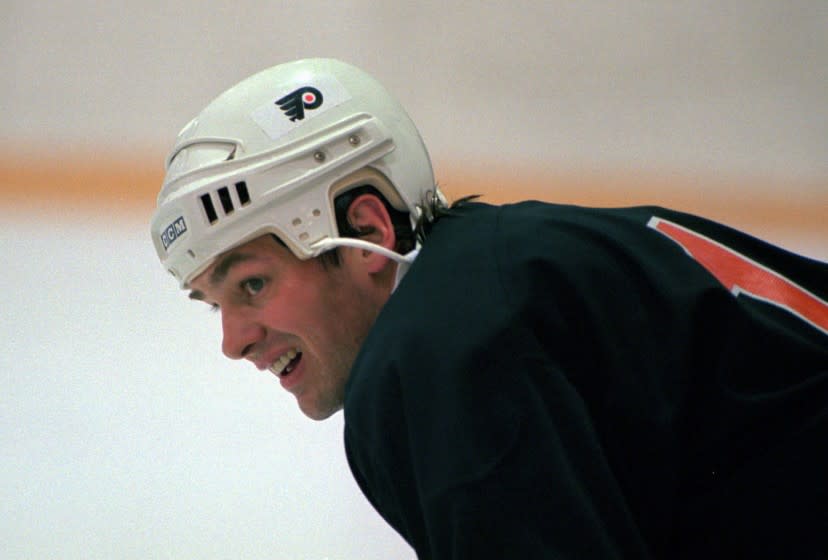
[[301, 320]]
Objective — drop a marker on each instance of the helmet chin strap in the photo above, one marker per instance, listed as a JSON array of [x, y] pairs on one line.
[[333, 242]]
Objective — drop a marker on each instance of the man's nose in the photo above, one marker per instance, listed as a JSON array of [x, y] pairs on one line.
[[240, 334]]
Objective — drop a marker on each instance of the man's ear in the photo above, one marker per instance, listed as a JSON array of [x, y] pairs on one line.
[[368, 215]]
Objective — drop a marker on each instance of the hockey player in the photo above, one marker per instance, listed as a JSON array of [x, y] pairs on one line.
[[524, 381]]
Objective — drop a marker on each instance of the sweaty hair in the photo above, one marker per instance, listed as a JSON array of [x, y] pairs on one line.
[[433, 210]]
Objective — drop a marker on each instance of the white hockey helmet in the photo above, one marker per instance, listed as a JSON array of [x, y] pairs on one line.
[[270, 154]]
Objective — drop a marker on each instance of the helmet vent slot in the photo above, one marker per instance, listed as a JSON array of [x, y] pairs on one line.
[[225, 198], [241, 190], [226, 202], [209, 209]]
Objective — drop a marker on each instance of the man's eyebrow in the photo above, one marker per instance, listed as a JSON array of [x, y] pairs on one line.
[[220, 272], [225, 264]]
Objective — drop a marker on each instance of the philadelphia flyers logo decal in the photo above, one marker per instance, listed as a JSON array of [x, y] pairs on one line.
[[741, 275], [298, 102], [294, 104]]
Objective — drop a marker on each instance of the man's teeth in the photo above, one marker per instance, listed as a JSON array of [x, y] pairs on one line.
[[278, 367]]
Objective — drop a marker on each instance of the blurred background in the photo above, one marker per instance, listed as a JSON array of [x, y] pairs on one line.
[[123, 431]]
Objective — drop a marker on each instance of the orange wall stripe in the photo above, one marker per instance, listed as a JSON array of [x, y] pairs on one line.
[[88, 182]]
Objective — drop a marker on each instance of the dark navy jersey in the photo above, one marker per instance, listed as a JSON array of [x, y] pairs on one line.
[[560, 382]]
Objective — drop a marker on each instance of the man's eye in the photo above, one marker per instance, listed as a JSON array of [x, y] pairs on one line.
[[252, 286]]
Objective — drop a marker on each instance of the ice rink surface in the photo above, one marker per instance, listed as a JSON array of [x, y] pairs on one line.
[[126, 433]]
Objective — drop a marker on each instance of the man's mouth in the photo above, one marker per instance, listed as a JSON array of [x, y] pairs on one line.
[[286, 362]]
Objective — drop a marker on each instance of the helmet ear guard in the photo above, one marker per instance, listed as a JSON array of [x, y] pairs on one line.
[[368, 176], [262, 159]]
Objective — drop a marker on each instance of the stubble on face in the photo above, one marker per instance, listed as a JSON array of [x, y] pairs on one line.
[[351, 315]]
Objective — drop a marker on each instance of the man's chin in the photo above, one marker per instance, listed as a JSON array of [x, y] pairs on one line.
[[316, 412]]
